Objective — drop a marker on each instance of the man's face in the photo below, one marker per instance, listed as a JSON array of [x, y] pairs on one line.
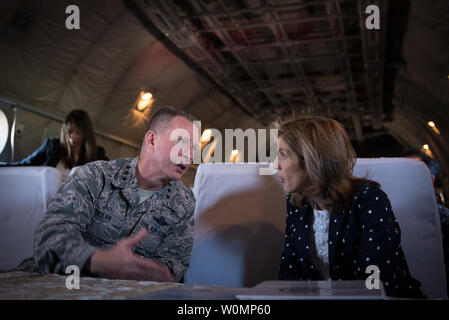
[[173, 148]]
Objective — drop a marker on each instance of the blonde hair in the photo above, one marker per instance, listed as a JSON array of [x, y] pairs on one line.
[[325, 153]]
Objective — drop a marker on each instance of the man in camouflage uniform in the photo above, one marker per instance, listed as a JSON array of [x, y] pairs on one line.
[[127, 218]]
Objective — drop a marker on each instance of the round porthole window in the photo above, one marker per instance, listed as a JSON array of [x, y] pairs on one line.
[[4, 130]]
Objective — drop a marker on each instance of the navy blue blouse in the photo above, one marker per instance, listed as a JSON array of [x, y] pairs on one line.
[[365, 233]]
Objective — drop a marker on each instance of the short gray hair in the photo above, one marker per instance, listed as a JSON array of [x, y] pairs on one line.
[[164, 115]]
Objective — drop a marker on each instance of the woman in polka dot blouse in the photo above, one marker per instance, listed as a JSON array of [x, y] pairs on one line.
[[337, 224]]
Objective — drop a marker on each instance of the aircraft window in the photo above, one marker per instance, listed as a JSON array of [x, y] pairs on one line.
[[4, 130]]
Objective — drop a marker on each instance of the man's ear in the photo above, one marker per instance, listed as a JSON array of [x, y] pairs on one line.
[[150, 138]]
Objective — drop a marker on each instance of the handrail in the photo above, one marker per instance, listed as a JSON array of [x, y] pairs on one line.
[[54, 117]]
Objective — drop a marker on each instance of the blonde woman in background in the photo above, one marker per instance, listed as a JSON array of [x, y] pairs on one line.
[[75, 146]]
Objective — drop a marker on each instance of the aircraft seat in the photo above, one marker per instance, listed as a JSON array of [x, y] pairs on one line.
[[240, 222], [24, 195], [409, 186], [239, 225]]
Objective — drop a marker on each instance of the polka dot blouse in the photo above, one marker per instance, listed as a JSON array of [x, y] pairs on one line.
[[365, 233]]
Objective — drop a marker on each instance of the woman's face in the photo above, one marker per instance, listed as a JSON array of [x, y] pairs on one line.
[[75, 136], [291, 174]]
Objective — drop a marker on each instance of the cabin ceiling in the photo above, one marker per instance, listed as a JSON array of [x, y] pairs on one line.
[[233, 63], [275, 57]]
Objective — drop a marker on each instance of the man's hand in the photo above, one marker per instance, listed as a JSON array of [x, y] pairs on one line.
[[119, 262]]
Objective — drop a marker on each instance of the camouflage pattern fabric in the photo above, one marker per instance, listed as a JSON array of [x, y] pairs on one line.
[[99, 205]]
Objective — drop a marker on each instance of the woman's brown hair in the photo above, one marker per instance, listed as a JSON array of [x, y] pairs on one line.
[[88, 152], [325, 153]]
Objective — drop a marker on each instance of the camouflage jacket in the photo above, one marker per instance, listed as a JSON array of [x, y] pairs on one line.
[[99, 205]]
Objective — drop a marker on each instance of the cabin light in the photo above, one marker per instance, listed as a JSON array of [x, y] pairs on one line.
[[142, 104], [4, 130], [234, 155], [147, 96], [426, 150], [208, 150], [145, 100], [433, 126], [207, 134]]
